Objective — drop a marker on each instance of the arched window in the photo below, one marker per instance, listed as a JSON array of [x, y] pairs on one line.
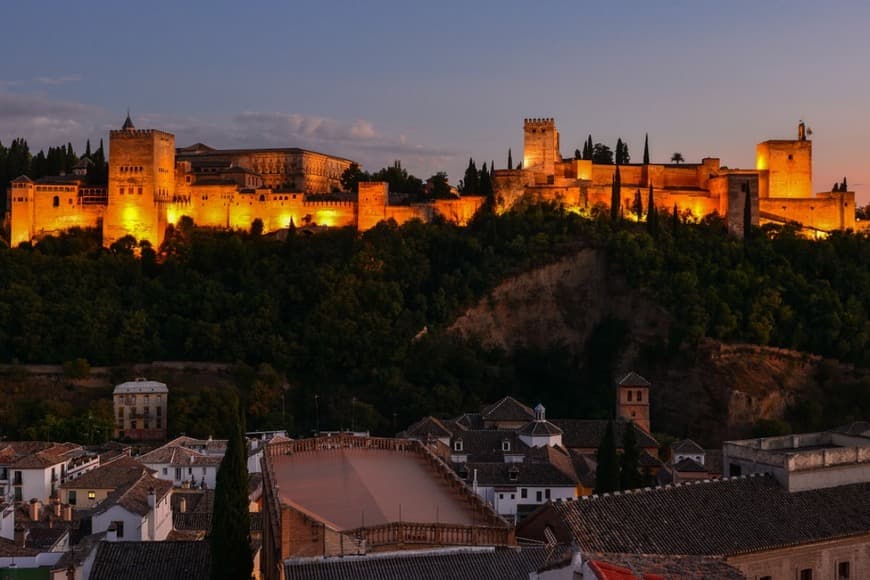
[[56, 201], [262, 197]]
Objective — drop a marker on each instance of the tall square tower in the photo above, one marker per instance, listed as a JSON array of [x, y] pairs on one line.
[[141, 183]]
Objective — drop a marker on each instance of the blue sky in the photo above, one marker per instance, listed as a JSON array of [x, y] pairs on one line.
[[433, 83]]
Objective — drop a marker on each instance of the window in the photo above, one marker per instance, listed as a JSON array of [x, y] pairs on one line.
[[513, 496], [640, 396], [56, 201], [17, 494], [159, 411], [159, 423], [843, 571], [513, 474], [72, 497], [92, 495], [133, 424], [165, 470], [629, 396], [524, 493], [457, 445], [538, 497], [501, 496], [505, 445], [547, 493], [177, 474], [806, 574], [119, 527]]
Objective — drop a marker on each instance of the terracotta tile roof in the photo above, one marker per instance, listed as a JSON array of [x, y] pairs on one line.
[[689, 465], [458, 564], [110, 476], [44, 538], [587, 433], [507, 409], [486, 446], [687, 446], [633, 379], [650, 566], [149, 560], [178, 456], [719, 517], [133, 497], [428, 426], [9, 549]]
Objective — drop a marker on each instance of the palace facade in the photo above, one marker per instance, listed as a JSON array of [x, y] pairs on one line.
[[780, 186], [152, 185]]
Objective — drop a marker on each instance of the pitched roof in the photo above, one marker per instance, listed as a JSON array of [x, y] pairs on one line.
[[537, 427], [128, 123], [719, 518], [457, 564], [178, 456], [500, 474], [687, 446], [507, 409], [587, 433], [427, 426], [140, 385], [110, 476], [148, 560], [651, 566], [487, 445], [633, 379], [689, 465], [133, 496]]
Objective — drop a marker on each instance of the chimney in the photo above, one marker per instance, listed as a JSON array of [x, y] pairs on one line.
[[151, 497], [34, 510], [112, 533], [55, 503], [182, 504], [20, 535], [67, 513]]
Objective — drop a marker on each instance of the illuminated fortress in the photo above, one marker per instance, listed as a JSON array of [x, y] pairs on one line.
[[152, 184], [780, 186]]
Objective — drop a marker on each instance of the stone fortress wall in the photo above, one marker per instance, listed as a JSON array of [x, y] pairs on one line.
[[152, 185], [780, 186]]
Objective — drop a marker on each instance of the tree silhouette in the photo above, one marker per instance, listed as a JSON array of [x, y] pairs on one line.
[[677, 157], [646, 149]]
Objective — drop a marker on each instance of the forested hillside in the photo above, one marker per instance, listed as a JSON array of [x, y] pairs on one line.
[[356, 322]]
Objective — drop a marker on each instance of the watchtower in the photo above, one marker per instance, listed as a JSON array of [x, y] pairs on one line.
[[786, 166], [633, 400], [373, 198], [21, 210], [540, 145], [141, 184]]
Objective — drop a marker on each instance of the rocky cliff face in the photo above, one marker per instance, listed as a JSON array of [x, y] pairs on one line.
[[712, 392]]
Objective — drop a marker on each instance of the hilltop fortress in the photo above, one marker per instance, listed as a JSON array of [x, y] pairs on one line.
[[152, 185], [780, 186]]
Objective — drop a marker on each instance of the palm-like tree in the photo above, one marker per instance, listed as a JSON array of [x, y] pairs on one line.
[[677, 158]]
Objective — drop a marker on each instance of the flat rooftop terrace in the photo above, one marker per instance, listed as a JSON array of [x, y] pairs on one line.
[[356, 487]]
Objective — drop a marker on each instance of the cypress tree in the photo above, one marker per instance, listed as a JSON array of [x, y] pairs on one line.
[[620, 160], [230, 539], [629, 462], [615, 195], [88, 149], [646, 149], [844, 186], [637, 206], [747, 212], [486, 187], [651, 213], [510, 159], [589, 147], [471, 181], [607, 472]]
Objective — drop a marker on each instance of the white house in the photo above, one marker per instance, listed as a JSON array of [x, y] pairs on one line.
[[186, 461], [687, 449], [36, 469], [139, 512]]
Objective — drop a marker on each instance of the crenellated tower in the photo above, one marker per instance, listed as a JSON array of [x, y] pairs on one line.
[[21, 209], [141, 184], [540, 146]]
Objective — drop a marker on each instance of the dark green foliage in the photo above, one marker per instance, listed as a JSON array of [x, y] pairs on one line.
[[351, 177], [602, 155], [747, 211], [230, 536], [836, 187], [257, 228], [622, 155], [588, 149], [615, 195], [471, 181], [629, 461], [677, 158], [646, 149], [607, 472], [652, 214], [844, 186], [486, 189], [438, 188], [637, 205]]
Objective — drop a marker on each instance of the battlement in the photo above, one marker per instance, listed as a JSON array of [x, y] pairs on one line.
[[132, 132], [539, 122], [329, 203]]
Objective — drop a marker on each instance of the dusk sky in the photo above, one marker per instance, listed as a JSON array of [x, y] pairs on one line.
[[433, 83]]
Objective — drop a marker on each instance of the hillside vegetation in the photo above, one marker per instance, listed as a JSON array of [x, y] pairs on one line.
[[356, 323]]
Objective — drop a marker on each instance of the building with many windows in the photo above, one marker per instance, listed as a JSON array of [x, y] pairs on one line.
[[140, 409]]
